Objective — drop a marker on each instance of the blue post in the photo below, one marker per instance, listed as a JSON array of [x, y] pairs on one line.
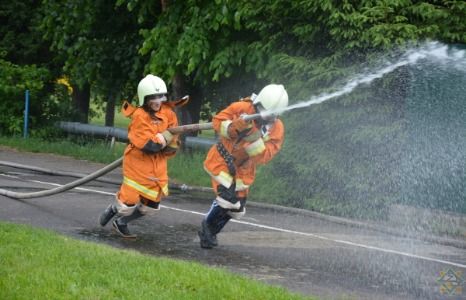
[[26, 114]]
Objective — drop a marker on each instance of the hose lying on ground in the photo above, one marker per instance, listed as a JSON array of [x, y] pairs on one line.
[[84, 178], [52, 172], [65, 187]]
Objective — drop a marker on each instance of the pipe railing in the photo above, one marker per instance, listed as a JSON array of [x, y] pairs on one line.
[[121, 134]]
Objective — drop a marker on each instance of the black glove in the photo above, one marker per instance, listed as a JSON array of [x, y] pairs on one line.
[[228, 194]]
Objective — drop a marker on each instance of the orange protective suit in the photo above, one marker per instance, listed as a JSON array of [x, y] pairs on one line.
[[259, 151], [145, 162]]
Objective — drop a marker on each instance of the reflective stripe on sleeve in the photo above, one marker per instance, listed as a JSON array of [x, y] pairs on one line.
[[140, 188], [255, 148], [224, 128]]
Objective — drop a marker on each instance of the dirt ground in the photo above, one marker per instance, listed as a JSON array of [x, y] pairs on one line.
[[307, 255]]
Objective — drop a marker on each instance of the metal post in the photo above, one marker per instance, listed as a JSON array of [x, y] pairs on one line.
[[26, 114]]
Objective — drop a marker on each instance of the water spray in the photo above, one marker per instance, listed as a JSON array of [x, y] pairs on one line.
[[433, 50]]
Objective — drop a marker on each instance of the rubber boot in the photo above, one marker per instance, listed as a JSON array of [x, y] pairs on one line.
[[121, 224], [205, 236], [221, 223], [209, 224], [107, 215]]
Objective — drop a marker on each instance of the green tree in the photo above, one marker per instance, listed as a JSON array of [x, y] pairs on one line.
[[20, 41], [202, 47], [26, 63], [98, 42]]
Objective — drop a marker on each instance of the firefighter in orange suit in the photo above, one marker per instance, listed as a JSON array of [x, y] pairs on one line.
[[231, 163], [145, 178]]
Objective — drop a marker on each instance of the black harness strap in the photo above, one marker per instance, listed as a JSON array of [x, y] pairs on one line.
[[227, 157]]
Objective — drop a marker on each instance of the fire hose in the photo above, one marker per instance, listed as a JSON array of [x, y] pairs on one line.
[[116, 164]]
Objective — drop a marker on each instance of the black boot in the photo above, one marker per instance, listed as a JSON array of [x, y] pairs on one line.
[[107, 215], [121, 224], [220, 224], [208, 240], [210, 225]]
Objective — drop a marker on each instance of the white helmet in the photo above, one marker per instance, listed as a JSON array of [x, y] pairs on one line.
[[150, 85], [272, 97]]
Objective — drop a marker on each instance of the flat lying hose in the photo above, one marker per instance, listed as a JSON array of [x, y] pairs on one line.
[[182, 187], [52, 172], [65, 187]]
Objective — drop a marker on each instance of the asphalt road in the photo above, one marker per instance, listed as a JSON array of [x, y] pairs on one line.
[[306, 255]]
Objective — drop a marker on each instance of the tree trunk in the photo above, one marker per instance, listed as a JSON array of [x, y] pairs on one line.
[[164, 4], [190, 113], [110, 110], [81, 98]]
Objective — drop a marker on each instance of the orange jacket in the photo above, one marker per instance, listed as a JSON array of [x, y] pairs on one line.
[[144, 163], [259, 152]]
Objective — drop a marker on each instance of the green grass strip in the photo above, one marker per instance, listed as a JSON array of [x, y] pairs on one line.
[[40, 264]]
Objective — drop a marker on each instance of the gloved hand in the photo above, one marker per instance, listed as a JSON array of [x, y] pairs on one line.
[[161, 140], [238, 126], [168, 136], [228, 194]]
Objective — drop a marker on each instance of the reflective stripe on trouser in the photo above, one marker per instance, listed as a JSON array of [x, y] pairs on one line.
[[131, 191], [227, 204]]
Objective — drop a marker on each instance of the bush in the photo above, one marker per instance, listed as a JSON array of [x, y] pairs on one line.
[[48, 102]]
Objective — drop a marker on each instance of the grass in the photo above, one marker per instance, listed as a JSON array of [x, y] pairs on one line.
[[97, 151], [40, 264], [120, 121]]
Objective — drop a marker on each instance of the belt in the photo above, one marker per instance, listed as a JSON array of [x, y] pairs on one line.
[[229, 159]]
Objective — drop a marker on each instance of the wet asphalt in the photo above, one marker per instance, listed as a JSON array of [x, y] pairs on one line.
[[303, 254]]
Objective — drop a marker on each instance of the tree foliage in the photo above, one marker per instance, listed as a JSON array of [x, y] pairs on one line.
[[44, 108], [26, 63], [98, 42]]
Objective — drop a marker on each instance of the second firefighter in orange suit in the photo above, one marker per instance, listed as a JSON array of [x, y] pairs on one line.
[[232, 162], [145, 177]]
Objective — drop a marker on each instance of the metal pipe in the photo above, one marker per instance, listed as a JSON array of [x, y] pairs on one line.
[[26, 114], [102, 131], [206, 126], [122, 135]]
